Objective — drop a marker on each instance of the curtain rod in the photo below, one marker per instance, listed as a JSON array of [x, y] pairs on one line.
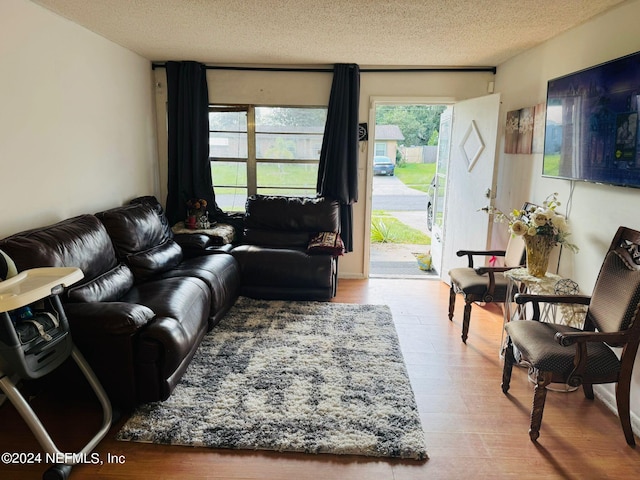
[[155, 65]]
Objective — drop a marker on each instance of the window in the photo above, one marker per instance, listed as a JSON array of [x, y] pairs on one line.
[[264, 150], [381, 149]]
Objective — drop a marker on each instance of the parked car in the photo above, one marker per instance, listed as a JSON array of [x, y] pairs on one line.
[[383, 165], [431, 195]]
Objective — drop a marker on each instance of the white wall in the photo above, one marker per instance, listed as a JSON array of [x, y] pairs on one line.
[[295, 89], [597, 210], [77, 120]]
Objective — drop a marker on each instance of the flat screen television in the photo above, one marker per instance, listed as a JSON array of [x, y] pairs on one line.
[[591, 127]]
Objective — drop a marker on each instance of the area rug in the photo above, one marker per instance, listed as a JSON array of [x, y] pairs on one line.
[[314, 377]]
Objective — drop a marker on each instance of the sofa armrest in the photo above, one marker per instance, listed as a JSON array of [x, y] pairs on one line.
[[192, 241], [112, 318], [107, 335]]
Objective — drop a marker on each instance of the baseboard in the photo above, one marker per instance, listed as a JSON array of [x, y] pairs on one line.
[[351, 276], [609, 399]]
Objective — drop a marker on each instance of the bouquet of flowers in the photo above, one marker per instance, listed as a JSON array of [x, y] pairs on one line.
[[542, 228], [543, 221], [197, 216], [196, 206]]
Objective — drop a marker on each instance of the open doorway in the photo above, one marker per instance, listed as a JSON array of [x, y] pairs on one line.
[[405, 143]]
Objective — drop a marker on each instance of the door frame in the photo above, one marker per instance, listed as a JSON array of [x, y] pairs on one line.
[[374, 101]]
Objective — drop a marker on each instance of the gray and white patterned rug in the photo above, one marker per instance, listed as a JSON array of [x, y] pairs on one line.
[[311, 377]]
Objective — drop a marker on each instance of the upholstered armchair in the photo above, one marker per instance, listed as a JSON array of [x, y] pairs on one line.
[[483, 284], [563, 354]]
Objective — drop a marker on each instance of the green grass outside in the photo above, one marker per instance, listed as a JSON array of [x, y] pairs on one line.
[[552, 165], [269, 175], [416, 175], [385, 228]]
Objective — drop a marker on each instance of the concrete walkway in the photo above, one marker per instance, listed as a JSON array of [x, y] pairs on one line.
[[394, 260]]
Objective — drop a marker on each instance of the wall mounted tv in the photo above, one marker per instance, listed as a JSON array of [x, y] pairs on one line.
[[591, 129]]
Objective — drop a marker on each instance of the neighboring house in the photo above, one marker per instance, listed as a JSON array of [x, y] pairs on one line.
[[271, 142], [420, 154], [386, 140]]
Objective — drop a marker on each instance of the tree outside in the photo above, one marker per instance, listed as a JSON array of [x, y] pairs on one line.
[[419, 123]]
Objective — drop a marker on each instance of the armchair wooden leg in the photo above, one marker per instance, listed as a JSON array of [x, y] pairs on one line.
[[466, 318], [588, 390], [623, 389], [539, 396], [452, 302], [509, 360]]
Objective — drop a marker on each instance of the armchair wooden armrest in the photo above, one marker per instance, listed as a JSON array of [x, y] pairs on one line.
[[523, 298], [580, 340], [610, 338], [536, 300], [470, 254], [492, 270]]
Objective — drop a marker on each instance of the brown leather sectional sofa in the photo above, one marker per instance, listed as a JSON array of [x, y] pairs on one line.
[[142, 309], [148, 297]]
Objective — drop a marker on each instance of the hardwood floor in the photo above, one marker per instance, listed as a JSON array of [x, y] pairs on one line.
[[472, 430]]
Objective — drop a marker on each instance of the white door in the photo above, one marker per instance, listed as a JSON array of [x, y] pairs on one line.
[[439, 188], [470, 180]]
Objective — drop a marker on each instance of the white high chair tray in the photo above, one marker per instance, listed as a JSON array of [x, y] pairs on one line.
[[32, 285]]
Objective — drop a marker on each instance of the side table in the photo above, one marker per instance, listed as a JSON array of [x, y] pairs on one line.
[[520, 281], [220, 233]]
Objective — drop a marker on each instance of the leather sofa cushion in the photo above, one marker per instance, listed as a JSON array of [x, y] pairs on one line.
[[134, 228], [142, 239], [285, 268], [156, 260], [80, 242], [220, 272], [181, 306], [155, 205], [108, 287]]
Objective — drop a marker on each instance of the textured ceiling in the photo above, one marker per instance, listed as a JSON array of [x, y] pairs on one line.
[[320, 32]]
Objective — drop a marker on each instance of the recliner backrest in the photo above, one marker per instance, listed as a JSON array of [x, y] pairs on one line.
[[80, 242], [288, 221], [141, 239]]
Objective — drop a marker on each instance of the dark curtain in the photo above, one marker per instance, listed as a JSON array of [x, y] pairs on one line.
[[189, 170], [338, 169]]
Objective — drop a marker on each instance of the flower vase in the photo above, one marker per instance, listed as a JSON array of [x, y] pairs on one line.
[[538, 251], [190, 222]]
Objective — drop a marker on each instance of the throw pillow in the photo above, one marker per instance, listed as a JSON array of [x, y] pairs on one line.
[[326, 242]]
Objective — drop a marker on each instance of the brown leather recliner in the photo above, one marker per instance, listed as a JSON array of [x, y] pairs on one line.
[[274, 256]]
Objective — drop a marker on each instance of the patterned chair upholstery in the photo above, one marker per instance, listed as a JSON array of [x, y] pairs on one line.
[[563, 354]]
